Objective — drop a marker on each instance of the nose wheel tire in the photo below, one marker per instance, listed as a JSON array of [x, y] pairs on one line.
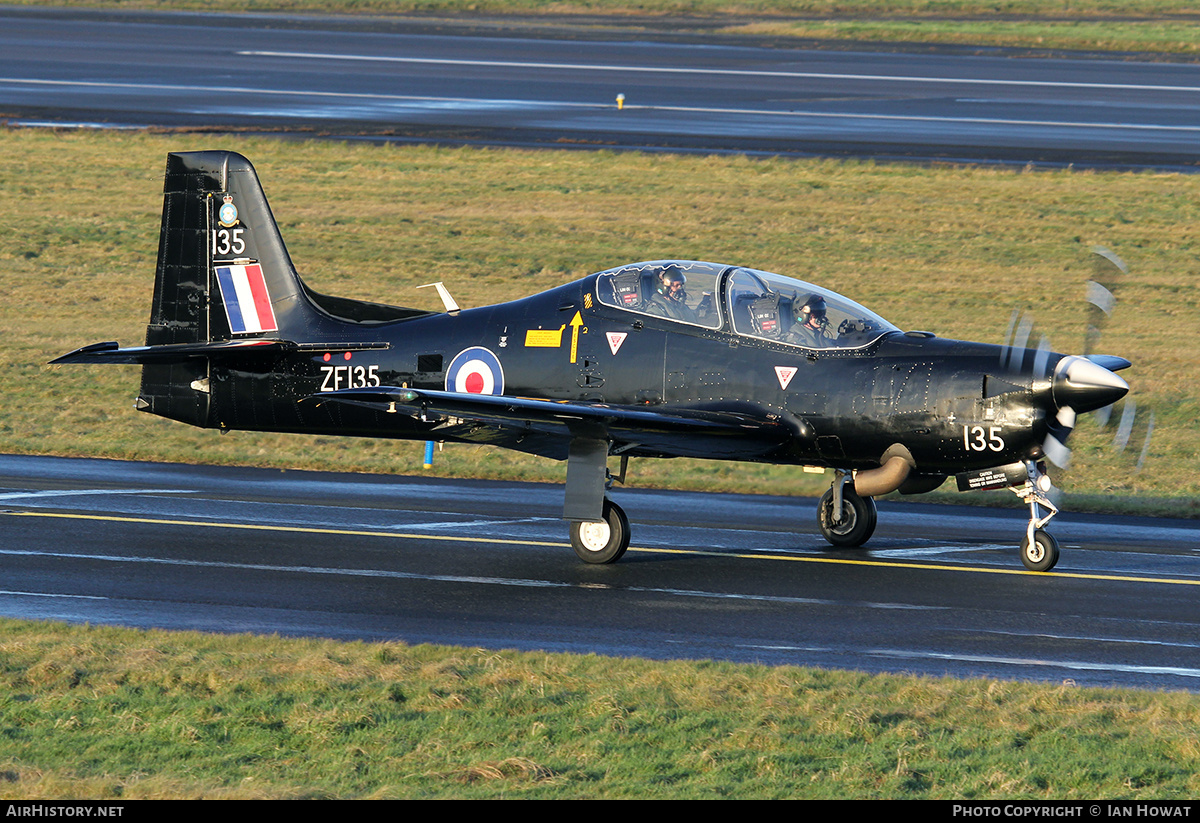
[[859, 517], [1042, 554], [602, 542]]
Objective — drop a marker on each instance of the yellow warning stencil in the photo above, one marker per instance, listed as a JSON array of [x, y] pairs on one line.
[[544, 338]]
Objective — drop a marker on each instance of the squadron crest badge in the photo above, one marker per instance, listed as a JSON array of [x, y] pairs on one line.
[[227, 214]]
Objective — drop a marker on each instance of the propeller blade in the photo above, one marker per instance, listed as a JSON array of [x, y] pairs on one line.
[[1016, 341], [1101, 302], [1113, 262], [1006, 353], [1057, 452], [1146, 444], [1077, 384], [1041, 358], [1055, 444], [1100, 294], [1125, 427], [1101, 297], [1110, 271], [1125, 432], [1109, 361], [1066, 418], [1021, 336]]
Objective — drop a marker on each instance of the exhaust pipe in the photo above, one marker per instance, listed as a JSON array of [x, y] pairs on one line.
[[886, 478]]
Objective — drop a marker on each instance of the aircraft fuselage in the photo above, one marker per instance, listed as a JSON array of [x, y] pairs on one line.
[[844, 408]]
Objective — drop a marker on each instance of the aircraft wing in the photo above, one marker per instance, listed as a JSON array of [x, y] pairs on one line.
[[638, 430]]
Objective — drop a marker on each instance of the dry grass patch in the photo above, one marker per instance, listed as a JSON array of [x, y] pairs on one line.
[[948, 249]]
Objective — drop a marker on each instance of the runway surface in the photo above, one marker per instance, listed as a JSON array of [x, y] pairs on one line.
[[403, 80], [939, 590]]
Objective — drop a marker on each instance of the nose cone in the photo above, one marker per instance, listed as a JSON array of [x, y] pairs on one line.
[[1085, 386]]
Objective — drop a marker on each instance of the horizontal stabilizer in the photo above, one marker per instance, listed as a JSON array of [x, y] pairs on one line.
[[111, 352]]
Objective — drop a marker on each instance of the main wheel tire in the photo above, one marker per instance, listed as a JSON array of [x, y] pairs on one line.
[[859, 517], [602, 542], [1042, 554]]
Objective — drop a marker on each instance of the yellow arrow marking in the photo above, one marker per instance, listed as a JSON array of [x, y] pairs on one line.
[[576, 322]]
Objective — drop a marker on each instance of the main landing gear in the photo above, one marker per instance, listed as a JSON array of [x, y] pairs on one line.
[[595, 541], [1039, 549], [604, 541], [599, 527], [846, 519]]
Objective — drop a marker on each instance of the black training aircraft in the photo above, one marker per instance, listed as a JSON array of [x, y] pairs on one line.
[[656, 359]]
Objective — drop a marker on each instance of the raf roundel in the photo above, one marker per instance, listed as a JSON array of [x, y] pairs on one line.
[[475, 371]]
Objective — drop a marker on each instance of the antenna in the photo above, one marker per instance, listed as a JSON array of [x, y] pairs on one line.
[[451, 307]]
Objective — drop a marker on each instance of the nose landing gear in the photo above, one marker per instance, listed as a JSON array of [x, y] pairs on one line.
[[1041, 553], [1039, 549]]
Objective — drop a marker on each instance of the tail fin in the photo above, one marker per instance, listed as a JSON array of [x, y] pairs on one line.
[[224, 287], [223, 270], [223, 273], [216, 218]]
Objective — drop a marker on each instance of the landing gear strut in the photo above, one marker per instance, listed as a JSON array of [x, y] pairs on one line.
[[599, 527], [1039, 549], [846, 520]]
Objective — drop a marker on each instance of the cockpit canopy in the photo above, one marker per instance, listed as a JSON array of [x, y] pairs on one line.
[[743, 301]]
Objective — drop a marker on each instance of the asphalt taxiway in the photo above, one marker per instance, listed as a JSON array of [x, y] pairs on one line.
[[408, 79], [938, 590]]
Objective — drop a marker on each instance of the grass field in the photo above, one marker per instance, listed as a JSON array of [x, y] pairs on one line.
[[375, 222], [105, 713]]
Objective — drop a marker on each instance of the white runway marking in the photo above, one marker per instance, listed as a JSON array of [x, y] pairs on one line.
[[54, 594], [800, 75], [1077, 665], [444, 578], [77, 492], [560, 104], [470, 524]]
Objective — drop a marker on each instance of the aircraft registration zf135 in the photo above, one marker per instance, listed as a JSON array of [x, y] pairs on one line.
[[656, 359]]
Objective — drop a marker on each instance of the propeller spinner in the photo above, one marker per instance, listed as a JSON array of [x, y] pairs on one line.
[[1079, 385]]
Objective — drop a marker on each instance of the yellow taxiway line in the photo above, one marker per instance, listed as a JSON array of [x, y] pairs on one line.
[[641, 549]]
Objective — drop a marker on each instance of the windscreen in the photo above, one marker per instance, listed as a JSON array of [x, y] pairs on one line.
[[781, 309]]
